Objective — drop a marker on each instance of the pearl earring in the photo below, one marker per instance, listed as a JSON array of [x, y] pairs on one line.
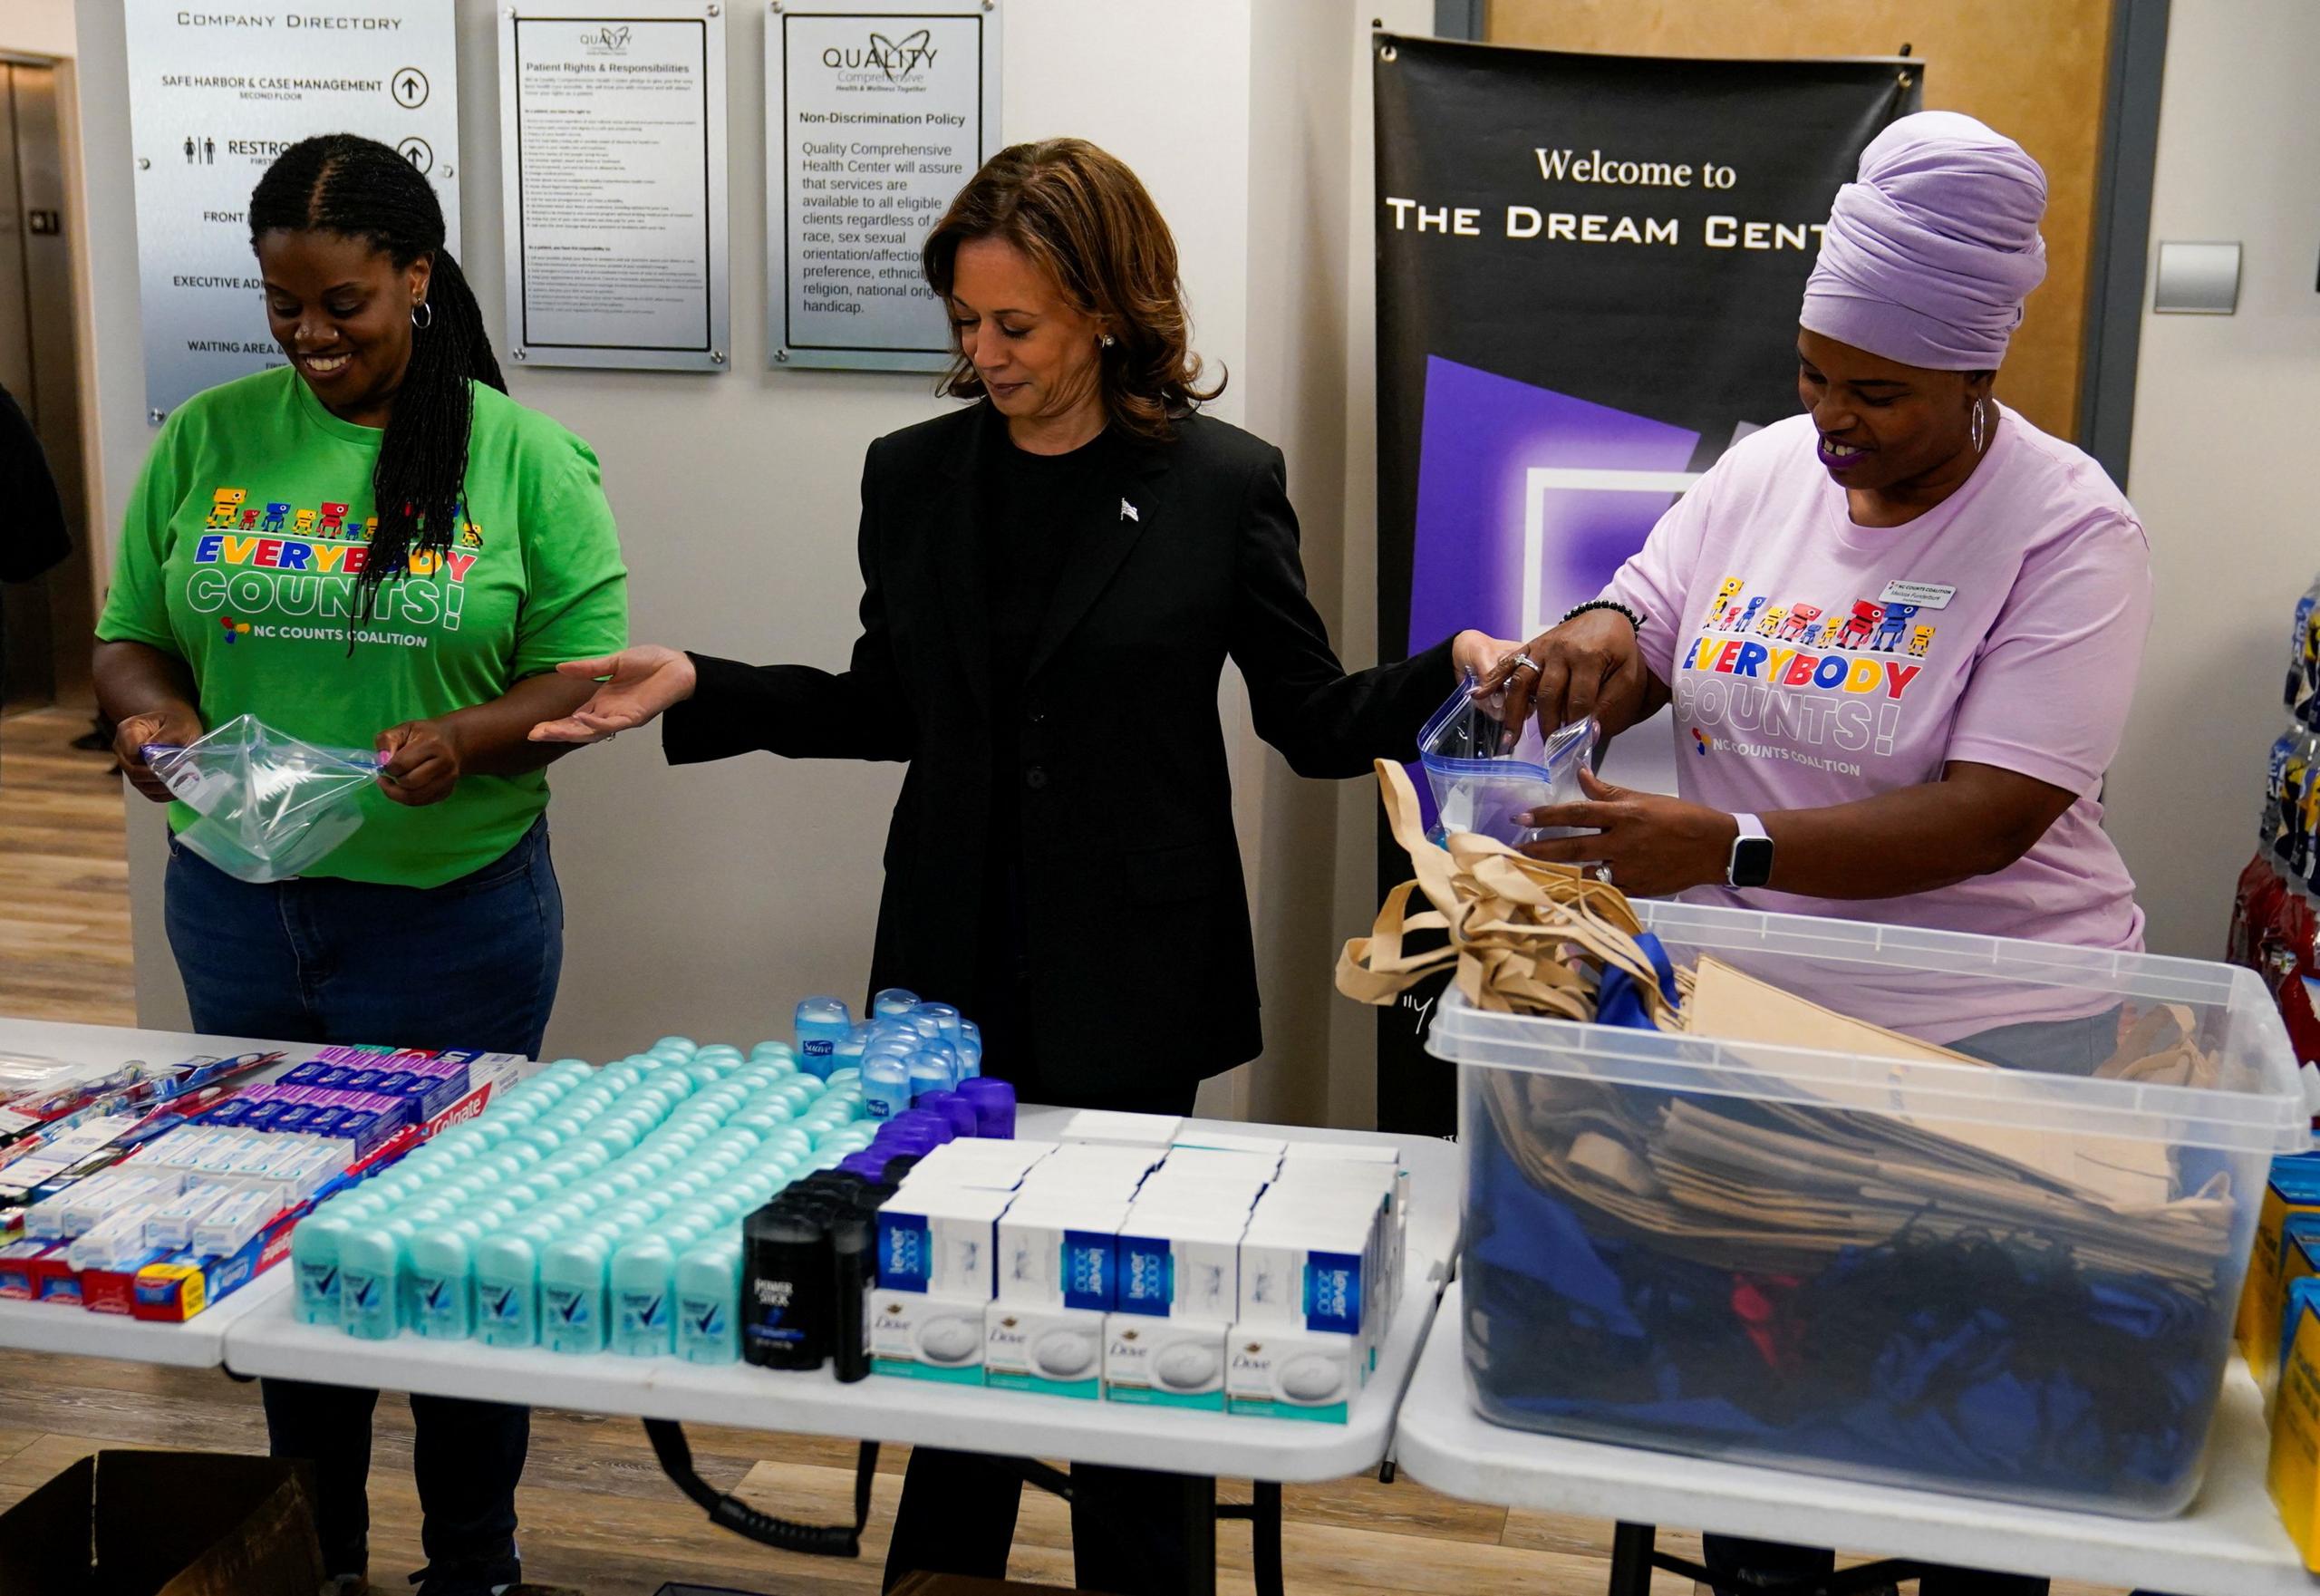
[[1105, 341]]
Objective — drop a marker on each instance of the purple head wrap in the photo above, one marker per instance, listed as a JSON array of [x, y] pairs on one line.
[[1929, 256]]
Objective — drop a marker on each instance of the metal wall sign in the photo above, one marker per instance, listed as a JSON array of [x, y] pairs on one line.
[[876, 114], [612, 140], [214, 93]]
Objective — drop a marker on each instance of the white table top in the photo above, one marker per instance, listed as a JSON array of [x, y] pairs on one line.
[[2229, 1544], [888, 1408], [47, 1327]]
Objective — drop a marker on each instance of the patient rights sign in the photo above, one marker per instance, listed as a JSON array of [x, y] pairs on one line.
[[875, 117]]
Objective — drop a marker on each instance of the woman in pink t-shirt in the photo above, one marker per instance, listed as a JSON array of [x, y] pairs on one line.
[[1900, 633]]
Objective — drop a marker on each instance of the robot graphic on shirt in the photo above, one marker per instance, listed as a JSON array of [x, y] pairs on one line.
[[1921, 640], [1893, 627], [277, 516], [1798, 627], [1770, 625], [1836, 623], [334, 520], [250, 514], [225, 504], [1741, 620], [1859, 624], [302, 523], [1724, 596]]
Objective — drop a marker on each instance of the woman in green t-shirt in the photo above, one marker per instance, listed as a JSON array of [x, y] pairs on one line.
[[373, 547]]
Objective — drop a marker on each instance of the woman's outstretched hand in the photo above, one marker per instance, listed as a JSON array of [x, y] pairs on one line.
[[633, 687]]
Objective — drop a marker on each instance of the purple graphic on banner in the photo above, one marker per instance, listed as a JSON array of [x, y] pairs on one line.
[[1602, 478]]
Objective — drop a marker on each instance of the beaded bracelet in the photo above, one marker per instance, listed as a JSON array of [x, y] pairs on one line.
[[1612, 605]]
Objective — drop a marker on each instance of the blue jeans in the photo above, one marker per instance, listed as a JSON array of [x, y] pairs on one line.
[[472, 963]]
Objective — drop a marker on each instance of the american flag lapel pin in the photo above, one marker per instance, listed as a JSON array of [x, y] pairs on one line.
[[1127, 513]]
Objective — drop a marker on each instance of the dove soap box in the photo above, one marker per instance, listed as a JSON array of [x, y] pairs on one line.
[[1165, 1362], [1053, 1351], [925, 1336], [1271, 1372]]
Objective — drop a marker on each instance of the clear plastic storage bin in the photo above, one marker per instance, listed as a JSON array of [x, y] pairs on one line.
[[2014, 1279]]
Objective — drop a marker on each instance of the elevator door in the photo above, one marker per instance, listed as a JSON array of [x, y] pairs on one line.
[[49, 623]]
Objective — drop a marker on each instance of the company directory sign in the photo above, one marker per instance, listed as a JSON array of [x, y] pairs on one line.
[[214, 93]]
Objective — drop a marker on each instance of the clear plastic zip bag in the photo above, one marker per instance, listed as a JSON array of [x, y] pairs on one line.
[[270, 806], [1482, 772]]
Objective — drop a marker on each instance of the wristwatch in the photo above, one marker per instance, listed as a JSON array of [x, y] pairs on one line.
[[1752, 853]]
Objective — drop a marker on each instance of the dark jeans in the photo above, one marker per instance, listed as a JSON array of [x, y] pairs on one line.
[[2062, 1047], [472, 963], [958, 1508]]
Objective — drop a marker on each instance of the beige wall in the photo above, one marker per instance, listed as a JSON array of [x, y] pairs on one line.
[[2224, 413], [705, 900], [2033, 71], [38, 27]]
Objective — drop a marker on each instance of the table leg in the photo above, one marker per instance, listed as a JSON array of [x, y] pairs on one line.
[[1265, 1531], [1196, 1523], [1631, 1549]]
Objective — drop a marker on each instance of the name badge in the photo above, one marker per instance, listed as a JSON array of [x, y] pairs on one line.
[[1926, 595]]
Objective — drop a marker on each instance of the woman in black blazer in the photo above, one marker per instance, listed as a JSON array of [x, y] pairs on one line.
[[1077, 528]]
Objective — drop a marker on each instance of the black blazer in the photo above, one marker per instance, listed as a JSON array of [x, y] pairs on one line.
[[1125, 802]]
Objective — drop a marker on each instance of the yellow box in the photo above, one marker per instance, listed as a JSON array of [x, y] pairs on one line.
[[2294, 1188], [2292, 1474]]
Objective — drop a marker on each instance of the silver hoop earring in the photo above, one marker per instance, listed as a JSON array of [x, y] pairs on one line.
[[1107, 341], [1978, 426], [416, 322]]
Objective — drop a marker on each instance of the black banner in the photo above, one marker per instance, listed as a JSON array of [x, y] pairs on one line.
[[1588, 269]]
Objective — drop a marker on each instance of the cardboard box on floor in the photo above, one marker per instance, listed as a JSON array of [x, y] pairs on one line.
[[163, 1524]]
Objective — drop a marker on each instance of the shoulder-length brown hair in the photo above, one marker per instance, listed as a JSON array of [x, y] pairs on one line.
[[1083, 216]]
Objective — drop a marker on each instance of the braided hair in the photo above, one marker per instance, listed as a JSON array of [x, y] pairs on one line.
[[360, 188]]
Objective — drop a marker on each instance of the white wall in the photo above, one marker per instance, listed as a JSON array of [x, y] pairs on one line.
[[705, 899], [2226, 409]]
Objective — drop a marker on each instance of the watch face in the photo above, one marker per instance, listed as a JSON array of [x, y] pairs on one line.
[[1751, 861]]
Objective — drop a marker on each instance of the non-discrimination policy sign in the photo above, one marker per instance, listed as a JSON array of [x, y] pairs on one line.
[[876, 115], [214, 93]]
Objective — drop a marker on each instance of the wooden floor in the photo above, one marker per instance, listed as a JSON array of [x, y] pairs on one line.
[[596, 1513]]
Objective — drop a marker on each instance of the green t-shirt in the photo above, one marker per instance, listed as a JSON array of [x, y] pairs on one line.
[[236, 556]]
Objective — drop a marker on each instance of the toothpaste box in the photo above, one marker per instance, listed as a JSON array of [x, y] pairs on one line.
[[1311, 1375], [1055, 1351], [1165, 1362], [19, 1277], [918, 1336]]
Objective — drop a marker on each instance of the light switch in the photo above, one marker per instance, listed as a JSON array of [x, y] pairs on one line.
[[2197, 279]]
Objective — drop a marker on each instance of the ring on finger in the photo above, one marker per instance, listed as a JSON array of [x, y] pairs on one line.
[[1602, 873], [1523, 662]]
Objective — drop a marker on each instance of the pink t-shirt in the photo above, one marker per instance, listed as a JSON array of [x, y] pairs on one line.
[[1813, 662]]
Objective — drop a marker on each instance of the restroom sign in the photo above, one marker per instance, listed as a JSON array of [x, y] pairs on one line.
[[215, 94]]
